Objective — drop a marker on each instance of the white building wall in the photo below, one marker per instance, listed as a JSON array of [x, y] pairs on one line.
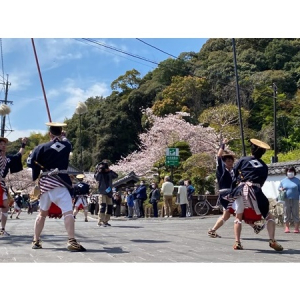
[[270, 188]]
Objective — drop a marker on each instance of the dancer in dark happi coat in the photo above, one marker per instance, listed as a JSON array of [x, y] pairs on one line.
[[81, 192], [250, 173], [12, 164], [49, 162], [224, 174]]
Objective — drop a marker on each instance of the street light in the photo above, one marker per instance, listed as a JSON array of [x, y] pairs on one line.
[[81, 109]]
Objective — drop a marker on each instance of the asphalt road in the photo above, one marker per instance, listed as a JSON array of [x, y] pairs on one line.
[[149, 240]]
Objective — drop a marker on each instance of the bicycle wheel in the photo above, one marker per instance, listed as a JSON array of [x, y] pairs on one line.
[[201, 208]]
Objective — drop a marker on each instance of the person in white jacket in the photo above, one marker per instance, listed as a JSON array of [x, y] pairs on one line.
[[167, 189], [183, 200]]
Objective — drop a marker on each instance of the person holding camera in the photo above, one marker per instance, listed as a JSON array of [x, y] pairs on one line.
[[104, 175]]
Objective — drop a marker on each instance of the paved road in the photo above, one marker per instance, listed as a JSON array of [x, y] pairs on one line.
[[144, 241]]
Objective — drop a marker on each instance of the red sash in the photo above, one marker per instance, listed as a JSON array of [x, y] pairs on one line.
[[80, 206], [54, 211], [250, 216]]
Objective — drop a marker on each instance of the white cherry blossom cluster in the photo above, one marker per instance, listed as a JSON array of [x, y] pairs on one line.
[[164, 132]]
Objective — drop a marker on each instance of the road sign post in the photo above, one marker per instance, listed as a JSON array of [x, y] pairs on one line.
[[172, 159]]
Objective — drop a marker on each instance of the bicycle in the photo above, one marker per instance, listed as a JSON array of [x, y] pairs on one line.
[[202, 206]]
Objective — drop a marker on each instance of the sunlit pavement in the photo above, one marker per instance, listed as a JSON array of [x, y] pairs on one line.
[[147, 240]]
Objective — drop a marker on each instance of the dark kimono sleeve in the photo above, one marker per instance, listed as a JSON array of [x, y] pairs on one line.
[[15, 163], [31, 162]]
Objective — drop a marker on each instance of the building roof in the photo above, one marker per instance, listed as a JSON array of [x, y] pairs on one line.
[[279, 168], [123, 181]]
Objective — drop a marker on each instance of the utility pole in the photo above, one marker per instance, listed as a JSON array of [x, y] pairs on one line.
[[238, 97], [5, 101], [275, 158]]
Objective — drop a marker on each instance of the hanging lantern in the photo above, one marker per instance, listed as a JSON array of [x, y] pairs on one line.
[[4, 109], [81, 108]]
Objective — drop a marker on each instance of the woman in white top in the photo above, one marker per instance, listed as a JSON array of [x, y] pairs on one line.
[[183, 200]]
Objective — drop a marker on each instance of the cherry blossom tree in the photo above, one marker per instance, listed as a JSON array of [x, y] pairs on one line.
[[164, 132], [20, 181]]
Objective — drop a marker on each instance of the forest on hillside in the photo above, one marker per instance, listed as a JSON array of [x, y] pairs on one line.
[[202, 86]]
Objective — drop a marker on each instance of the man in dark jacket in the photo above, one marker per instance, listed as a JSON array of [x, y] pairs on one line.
[[104, 175], [141, 196]]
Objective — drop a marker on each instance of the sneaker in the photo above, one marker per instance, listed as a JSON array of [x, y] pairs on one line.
[[258, 228], [17, 218], [213, 234], [74, 246], [4, 233], [11, 216], [107, 224], [238, 246], [170, 216], [37, 244], [166, 216], [275, 245], [85, 220]]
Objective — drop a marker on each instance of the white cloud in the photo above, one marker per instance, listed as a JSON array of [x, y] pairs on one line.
[[73, 94]]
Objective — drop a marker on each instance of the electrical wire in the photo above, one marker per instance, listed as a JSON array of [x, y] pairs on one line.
[[123, 56], [156, 48], [121, 51]]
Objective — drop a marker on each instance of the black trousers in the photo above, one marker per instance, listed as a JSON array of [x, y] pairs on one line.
[[141, 207], [183, 210], [155, 210]]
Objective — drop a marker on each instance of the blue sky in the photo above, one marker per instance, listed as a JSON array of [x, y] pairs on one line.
[[72, 70]]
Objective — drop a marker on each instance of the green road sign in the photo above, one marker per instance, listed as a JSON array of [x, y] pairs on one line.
[[172, 157], [172, 161]]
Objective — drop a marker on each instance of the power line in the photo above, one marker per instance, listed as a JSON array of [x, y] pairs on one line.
[[97, 46], [121, 51], [157, 48]]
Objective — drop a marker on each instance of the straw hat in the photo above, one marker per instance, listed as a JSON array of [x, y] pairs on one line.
[[3, 139], [56, 124], [228, 154], [260, 144], [80, 176]]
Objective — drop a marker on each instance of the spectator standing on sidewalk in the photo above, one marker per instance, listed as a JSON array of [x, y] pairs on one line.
[[154, 198], [167, 190], [117, 201], [190, 193], [291, 185], [141, 196], [183, 200], [129, 198], [136, 209]]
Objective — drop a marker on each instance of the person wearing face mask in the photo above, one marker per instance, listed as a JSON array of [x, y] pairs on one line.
[[291, 185], [154, 198]]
